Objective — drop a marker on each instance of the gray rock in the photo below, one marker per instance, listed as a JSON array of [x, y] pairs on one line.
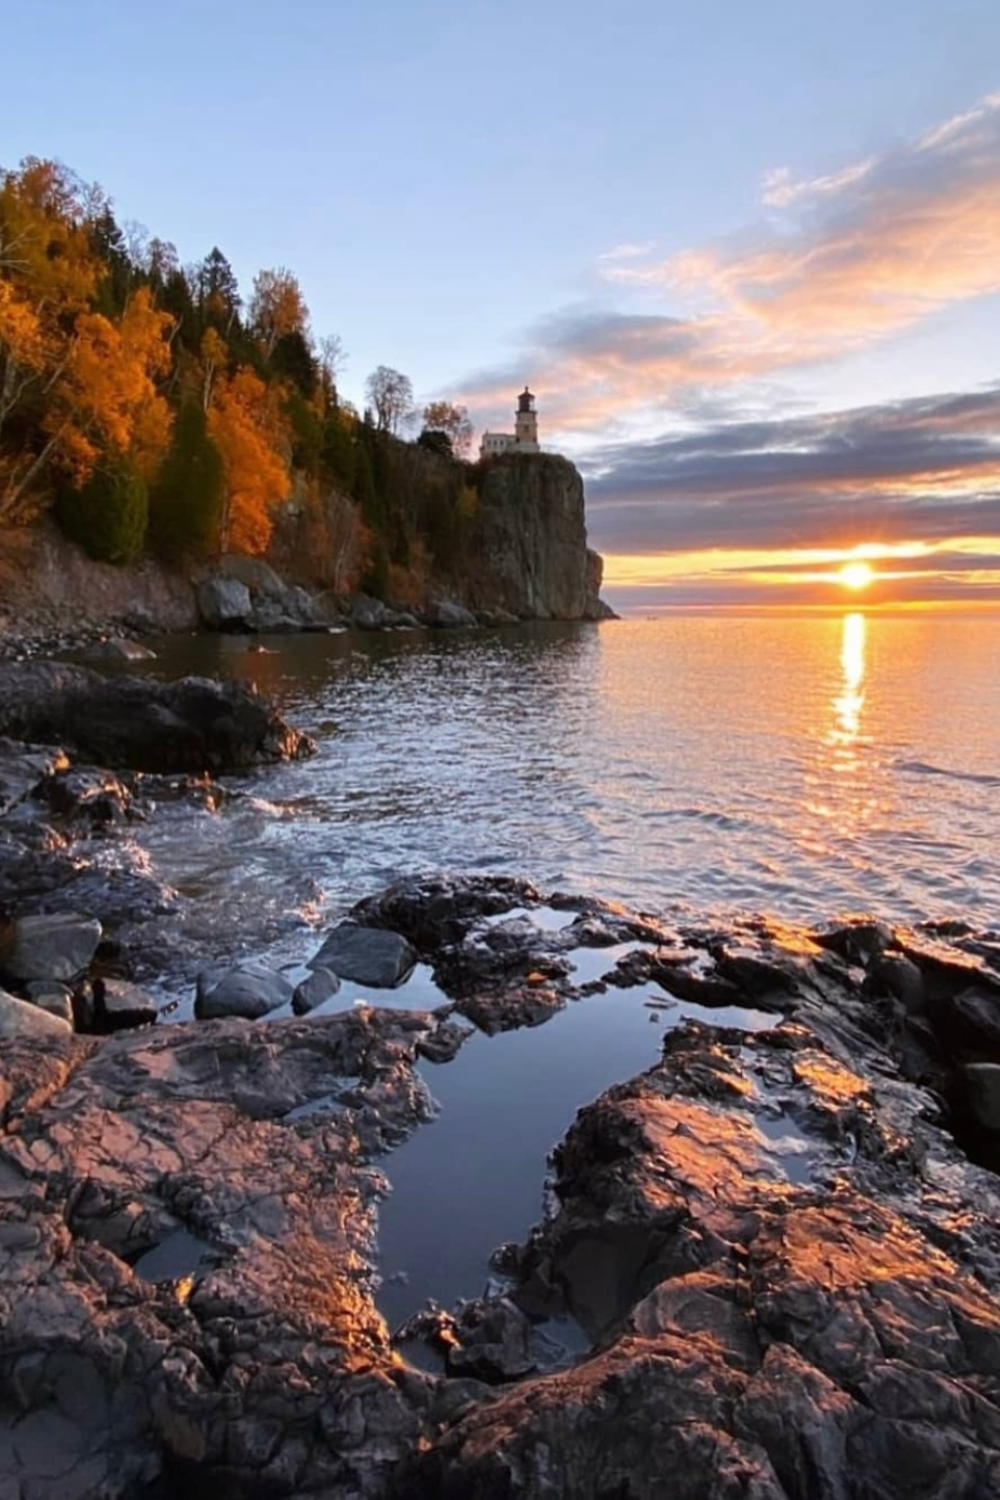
[[58, 946], [119, 648], [224, 603], [20, 1019], [447, 615], [257, 577], [370, 614], [52, 997], [120, 1005], [321, 984], [368, 955], [983, 1080], [249, 990]]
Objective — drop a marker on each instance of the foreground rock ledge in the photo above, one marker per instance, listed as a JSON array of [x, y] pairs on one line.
[[789, 1269]]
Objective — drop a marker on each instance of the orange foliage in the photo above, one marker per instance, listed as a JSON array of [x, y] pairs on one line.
[[247, 426], [278, 307]]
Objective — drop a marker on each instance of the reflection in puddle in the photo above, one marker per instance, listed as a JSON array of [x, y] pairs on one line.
[[180, 1254], [475, 1177]]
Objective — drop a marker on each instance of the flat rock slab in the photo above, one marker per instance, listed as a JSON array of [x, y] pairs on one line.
[[249, 990], [368, 955], [20, 1019]]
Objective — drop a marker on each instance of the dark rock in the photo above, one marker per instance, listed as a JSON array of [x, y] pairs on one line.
[[370, 614], [250, 990], [983, 1083], [56, 946], [320, 986], [56, 999], [492, 1342], [193, 725], [119, 1006], [86, 792], [23, 766], [368, 955]]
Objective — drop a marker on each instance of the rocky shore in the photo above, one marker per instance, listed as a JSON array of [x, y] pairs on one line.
[[779, 1243]]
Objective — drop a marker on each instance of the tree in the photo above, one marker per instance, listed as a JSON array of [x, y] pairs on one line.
[[108, 516], [186, 503], [277, 308], [436, 441], [332, 359], [391, 396], [218, 290], [443, 416], [247, 426]]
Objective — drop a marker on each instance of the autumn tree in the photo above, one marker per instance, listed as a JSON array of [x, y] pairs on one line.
[[390, 394], [246, 423], [277, 308], [443, 416]]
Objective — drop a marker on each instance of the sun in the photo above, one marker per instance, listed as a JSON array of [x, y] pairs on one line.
[[856, 575]]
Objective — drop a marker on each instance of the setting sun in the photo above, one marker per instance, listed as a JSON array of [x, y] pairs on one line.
[[856, 575]]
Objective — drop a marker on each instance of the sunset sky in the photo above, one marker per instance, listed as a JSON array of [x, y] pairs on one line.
[[748, 256]]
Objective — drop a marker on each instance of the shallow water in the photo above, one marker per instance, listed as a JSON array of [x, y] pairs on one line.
[[797, 765]]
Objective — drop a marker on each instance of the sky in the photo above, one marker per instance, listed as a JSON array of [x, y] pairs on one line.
[[746, 256]]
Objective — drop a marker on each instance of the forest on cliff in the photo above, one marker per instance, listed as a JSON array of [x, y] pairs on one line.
[[154, 411]]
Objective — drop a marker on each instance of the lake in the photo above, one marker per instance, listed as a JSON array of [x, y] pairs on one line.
[[799, 765]]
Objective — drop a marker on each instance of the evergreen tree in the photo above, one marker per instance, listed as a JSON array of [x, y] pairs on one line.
[[107, 517], [186, 504]]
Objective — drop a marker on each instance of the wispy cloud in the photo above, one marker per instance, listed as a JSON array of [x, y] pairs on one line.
[[844, 259]]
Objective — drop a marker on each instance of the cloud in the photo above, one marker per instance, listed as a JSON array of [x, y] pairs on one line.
[[844, 259], [925, 469]]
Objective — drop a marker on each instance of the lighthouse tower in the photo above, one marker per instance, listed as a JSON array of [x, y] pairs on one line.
[[526, 423]]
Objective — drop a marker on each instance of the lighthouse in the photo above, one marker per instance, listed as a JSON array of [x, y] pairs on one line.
[[524, 438], [526, 423]]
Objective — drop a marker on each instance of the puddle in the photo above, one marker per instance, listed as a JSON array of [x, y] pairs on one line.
[[474, 1178], [785, 1140], [180, 1254], [591, 964], [547, 918]]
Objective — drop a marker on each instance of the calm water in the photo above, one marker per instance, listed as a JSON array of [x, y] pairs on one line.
[[799, 765]]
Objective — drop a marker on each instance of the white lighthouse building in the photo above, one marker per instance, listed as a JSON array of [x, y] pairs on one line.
[[524, 438]]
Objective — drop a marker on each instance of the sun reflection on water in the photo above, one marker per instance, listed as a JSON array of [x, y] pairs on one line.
[[851, 698]]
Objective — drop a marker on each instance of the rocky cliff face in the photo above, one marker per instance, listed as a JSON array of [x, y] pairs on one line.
[[529, 553]]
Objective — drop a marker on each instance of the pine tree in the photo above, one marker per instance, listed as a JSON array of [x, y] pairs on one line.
[[185, 506], [108, 515]]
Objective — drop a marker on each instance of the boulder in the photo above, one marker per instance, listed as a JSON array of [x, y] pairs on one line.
[[250, 990], [56, 999], [368, 955], [20, 1020], [119, 1006], [224, 604], [370, 614], [318, 988], [58, 946], [445, 614], [192, 725]]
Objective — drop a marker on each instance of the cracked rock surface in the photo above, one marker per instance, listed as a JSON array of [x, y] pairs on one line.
[[784, 1258]]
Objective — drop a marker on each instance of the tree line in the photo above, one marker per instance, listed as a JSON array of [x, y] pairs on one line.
[[155, 411]]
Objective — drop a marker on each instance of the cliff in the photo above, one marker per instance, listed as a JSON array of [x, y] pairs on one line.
[[528, 550]]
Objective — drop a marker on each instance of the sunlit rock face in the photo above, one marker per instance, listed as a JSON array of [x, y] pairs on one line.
[[786, 1268], [529, 555]]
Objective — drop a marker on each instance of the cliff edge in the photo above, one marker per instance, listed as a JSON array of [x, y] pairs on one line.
[[529, 551]]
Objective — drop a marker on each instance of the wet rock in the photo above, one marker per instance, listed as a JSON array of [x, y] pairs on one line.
[[445, 614], [250, 990], [983, 1082], [436, 911], [19, 1020], [192, 725], [858, 942], [368, 955], [23, 766], [224, 604], [320, 986], [120, 648], [370, 614], [56, 946], [87, 793], [443, 1043], [893, 974], [119, 1006], [492, 1342]]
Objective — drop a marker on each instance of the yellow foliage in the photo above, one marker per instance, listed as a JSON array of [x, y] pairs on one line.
[[247, 426]]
